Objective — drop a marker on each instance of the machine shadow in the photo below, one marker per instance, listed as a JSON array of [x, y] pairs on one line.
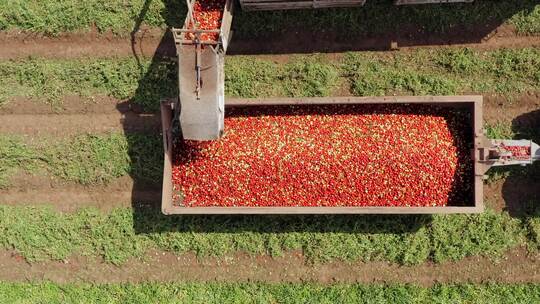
[[375, 26], [372, 27], [521, 189]]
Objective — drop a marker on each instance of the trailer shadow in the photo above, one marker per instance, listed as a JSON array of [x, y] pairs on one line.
[[521, 189], [375, 26]]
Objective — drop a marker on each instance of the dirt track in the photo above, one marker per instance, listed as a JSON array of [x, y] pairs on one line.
[[75, 116], [515, 267], [147, 43]]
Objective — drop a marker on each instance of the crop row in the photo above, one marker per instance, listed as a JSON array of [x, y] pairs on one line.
[[86, 159], [208, 293], [53, 17], [39, 233], [441, 72]]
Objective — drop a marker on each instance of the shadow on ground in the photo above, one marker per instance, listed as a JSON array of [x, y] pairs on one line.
[[371, 27], [521, 189]]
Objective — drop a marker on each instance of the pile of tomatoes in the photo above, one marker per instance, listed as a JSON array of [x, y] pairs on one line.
[[207, 15], [331, 155], [519, 152]]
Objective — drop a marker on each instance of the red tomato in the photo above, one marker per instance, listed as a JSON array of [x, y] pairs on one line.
[[207, 15], [354, 155]]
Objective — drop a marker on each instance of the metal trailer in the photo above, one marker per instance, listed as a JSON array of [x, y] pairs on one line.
[[487, 153], [198, 113]]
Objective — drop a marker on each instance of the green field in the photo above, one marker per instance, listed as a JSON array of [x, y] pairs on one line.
[[39, 233], [267, 293], [54, 17], [442, 72]]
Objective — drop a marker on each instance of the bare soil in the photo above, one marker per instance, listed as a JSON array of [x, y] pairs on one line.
[[34, 190], [517, 266], [77, 115], [145, 43], [150, 42], [510, 109], [513, 194], [305, 40]]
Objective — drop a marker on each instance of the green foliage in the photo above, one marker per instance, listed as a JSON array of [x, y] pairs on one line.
[[39, 233], [306, 76], [533, 226], [219, 292], [98, 159], [527, 21], [474, 235], [89, 159], [399, 75], [53, 17], [14, 154], [499, 130], [86, 159], [50, 80], [444, 72], [249, 77], [421, 72], [460, 61], [511, 64], [309, 77]]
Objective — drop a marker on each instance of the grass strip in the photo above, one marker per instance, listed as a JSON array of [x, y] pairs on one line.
[[53, 17], [85, 159], [435, 72], [39, 233], [15, 155], [267, 293]]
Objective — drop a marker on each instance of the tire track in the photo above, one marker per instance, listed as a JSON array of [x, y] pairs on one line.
[[517, 266]]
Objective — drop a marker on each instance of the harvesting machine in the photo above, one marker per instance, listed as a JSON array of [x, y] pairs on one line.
[[198, 112]]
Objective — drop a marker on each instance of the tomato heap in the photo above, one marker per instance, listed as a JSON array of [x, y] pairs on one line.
[[207, 15], [330, 155], [519, 152]]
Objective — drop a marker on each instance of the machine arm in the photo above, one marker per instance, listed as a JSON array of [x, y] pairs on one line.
[[506, 152]]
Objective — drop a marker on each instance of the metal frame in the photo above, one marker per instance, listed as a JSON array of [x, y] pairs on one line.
[[224, 30], [477, 206]]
